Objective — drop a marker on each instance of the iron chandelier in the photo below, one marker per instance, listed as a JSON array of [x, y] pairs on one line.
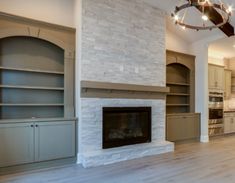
[[218, 12]]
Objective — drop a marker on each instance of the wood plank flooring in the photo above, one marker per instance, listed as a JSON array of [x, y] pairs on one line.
[[190, 163]]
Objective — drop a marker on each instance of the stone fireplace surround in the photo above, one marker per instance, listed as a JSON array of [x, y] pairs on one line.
[[120, 41], [91, 153]]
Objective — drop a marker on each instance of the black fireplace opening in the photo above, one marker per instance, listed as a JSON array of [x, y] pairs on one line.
[[126, 126]]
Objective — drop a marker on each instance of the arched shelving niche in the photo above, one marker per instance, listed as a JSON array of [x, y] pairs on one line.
[[178, 79], [39, 51], [32, 78]]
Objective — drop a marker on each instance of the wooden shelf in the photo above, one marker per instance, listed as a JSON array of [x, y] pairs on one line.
[[31, 87], [30, 105], [178, 94], [35, 119], [31, 70], [178, 84], [177, 105]]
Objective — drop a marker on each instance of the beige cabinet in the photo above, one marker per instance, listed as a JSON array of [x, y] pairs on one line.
[[229, 122], [227, 83], [216, 77], [183, 126]]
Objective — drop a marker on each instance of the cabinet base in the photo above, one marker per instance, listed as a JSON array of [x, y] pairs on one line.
[[204, 138], [37, 166]]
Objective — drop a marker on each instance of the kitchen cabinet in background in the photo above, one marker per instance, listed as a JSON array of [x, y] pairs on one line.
[[216, 77], [227, 83], [229, 122]]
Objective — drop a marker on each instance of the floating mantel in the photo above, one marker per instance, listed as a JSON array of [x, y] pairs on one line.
[[93, 89]]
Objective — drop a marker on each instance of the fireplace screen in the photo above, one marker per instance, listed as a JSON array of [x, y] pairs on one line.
[[126, 126]]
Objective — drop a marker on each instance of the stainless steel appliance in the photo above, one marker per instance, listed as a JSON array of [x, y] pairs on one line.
[[216, 117], [216, 100]]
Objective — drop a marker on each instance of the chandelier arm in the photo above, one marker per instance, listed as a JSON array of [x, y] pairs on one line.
[[206, 7]]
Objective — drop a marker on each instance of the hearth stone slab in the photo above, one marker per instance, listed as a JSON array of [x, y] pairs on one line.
[[114, 155]]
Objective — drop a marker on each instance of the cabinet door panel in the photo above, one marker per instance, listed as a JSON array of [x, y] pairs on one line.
[[220, 78], [211, 76], [183, 127], [227, 83], [227, 124], [54, 140], [16, 144], [215, 77], [232, 127]]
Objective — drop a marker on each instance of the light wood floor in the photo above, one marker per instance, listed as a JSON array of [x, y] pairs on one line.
[[190, 163]]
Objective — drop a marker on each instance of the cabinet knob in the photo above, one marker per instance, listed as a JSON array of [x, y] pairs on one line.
[[36, 126], [31, 126]]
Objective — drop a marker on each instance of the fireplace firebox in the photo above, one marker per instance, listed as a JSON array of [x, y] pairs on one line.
[[126, 126]]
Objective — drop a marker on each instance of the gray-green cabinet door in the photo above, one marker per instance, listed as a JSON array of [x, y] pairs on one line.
[[54, 140], [16, 144]]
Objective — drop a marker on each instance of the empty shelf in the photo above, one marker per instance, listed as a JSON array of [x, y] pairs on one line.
[[31, 70]]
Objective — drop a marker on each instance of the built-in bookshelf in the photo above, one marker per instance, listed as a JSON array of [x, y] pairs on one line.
[[182, 123], [37, 111], [31, 79], [178, 80]]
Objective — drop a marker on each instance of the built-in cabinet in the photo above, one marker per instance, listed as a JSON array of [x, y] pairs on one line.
[[183, 126], [37, 116], [229, 122], [216, 77], [36, 141], [59, 145], [227, 83], [17, 142], [182, 123]]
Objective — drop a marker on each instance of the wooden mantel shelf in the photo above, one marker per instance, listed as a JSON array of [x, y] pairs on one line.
[[93, 89]]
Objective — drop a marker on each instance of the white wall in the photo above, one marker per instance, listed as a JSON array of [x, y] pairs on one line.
[[176, 43], [78, 25], [216, 61], [53, 11], [200, 50]]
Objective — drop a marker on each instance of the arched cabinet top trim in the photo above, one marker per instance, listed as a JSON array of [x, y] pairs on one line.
[[63, 37], [181, 64], [180, 58], [5, 33]]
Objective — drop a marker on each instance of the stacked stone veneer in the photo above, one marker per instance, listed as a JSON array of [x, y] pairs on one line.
[[123, 41]]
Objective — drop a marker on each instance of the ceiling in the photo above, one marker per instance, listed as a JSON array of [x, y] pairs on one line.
[[187, 35], [223, 48]]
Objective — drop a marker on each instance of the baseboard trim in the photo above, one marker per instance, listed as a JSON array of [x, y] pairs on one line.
[[79, 159], [204, 138], [38, 166]]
